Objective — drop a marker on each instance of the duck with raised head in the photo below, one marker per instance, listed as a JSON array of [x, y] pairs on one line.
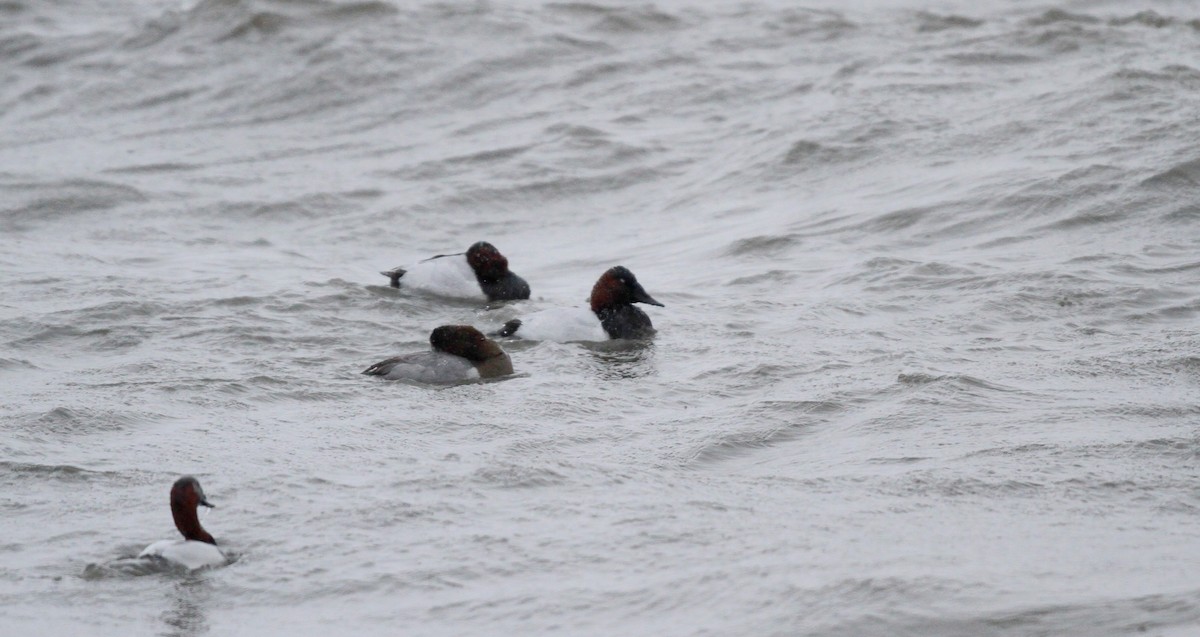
[[480, 273], [610, 314], [459, 353], [197, 549]]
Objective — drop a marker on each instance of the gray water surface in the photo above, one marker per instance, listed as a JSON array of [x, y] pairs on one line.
[[929, 362]]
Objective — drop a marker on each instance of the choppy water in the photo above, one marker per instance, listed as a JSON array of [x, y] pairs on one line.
[[929, 363]]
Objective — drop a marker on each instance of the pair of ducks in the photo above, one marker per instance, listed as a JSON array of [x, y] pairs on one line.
[[461, 352]]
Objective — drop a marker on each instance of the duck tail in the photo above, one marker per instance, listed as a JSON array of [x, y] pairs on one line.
[[509, 328], [394, 274]]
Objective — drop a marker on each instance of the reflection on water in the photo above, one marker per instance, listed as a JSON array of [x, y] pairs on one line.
[[622, 359], [186, 616]]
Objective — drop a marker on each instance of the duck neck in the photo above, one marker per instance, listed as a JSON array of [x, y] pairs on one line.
[[625, 321], [188, 523], [604, 299]]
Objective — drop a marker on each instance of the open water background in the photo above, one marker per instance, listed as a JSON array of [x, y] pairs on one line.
[[929, 363]]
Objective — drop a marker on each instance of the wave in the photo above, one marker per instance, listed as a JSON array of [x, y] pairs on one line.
[[32, 202]]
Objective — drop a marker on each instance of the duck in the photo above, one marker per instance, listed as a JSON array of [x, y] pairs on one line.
[[459, 353], [197, 549], [610, 314], [480, 273]]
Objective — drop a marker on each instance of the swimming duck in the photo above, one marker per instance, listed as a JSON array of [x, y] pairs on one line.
[[197, 549], [610, 314], [459, 352], [480, 273]]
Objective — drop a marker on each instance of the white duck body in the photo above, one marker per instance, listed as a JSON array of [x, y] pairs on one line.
[[448, 275], [562, 325], [189, 554]]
